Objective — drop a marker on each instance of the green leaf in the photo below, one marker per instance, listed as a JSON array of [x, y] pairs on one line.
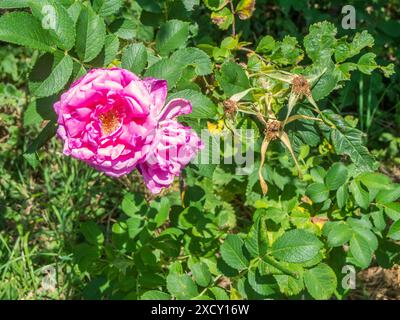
[[394, 231], [190, 4], [320, 41], [219, 293], [262, 284], [360, 223], [339, 234], [165, 69], [320, 281], [346, 50], [342, 195], [318, 192], [201, 274], [152, 6], [361, 250], [232, 252], [193, 57], [172, 35], [392, 210], [110, 50], [134, 58], [216, 5], [326, 84], [378, 219], [374, 180], [349, 141], [203, 107], [296, 246], [39, 110], [367, 64], [131, 204], [107, 7], [288, 285], [361, 196], [11, 4], [364, 231], [232, 78], [155, 295], [56, 19], [135, 225], [50, 74], [336, 176], [90, 34], [390, 195], [266, 45], [74, 11], [181, 286], [45, 135], [388, 70], [256, 242], [92, 233], [163, 208], [286, 52], [24, 29], [124, 28]]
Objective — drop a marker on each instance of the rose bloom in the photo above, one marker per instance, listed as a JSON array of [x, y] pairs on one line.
[[174, 146], [114, 121]]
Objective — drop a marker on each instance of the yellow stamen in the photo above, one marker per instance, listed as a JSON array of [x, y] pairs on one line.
[[109, 122]]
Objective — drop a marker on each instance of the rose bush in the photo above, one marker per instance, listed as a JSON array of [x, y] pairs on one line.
[[133, 86]]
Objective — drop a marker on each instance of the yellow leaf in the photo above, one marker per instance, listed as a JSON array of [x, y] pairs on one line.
[[246, 8], [235, 295]]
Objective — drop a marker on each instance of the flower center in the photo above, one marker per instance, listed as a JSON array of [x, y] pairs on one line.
[[110, 121]]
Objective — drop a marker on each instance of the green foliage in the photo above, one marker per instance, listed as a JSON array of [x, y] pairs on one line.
[[134, 58], [172, 35], [23, 29], [90, 31]]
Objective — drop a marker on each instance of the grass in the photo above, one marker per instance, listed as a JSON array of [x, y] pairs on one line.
[[41, 208], [41, 211]]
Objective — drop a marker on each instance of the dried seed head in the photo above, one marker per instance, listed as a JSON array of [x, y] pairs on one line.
[[273, 129], [300, 86], [230, 107]]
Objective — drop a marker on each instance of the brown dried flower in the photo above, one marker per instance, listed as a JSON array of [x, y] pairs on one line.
[[301, 86], [230, 107]]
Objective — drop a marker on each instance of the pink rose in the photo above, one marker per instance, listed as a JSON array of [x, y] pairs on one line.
[[114, 122], [104, 119], [174, 146]]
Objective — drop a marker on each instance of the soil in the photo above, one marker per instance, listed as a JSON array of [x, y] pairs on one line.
[[377, 283]]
